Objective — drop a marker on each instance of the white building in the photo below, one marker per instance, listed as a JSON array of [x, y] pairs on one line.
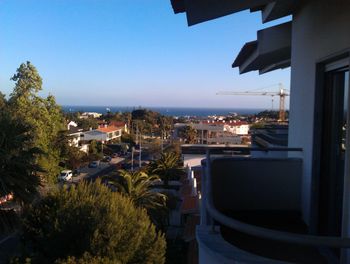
[[237, 127], [103, 134], [75, 137], [314, 182], [86, 115], [71, 124]]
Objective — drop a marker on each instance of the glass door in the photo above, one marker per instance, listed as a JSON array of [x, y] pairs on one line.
[[333, 150]]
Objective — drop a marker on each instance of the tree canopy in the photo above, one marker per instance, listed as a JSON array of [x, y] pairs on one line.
[[87, 123], [168, 167], [90, 219], [43, 115], [150, 122], [2, 101], [189, 134], [136, 185], [18, 168]]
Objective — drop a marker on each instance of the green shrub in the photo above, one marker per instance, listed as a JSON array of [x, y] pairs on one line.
[[90, 219]]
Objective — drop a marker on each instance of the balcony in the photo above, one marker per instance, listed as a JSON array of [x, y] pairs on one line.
[[251, 212]]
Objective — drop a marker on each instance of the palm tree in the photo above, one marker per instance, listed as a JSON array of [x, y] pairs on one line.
[[168, 167], [189, 134], [18, 167], [137, 186]]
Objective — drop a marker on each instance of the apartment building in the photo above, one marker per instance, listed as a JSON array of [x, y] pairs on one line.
[[294, 209]]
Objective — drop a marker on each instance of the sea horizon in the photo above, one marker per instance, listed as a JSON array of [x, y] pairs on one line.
[[164, 110]]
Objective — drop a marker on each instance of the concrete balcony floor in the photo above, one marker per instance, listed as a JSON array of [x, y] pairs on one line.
[[278, 220]]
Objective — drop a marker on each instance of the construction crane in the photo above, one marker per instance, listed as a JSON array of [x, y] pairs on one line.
[[281, 93]]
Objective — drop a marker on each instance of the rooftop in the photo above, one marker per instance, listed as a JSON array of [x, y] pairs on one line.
[[108, 129]]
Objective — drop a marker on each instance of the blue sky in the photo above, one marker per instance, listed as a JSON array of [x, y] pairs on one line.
[[130, 53]]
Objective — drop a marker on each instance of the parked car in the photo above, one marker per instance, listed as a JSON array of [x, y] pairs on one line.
[[65, 175], [94, 164]]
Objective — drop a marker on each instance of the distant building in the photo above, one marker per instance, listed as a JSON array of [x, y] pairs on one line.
[[237, 127], [86, 115], [221, 132], [75, 137], [71, 124], [103, 134], [120, 124]]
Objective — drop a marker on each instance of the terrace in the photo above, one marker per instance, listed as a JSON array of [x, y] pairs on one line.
[[251, 211]]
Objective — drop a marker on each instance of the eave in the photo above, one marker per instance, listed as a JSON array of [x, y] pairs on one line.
[[198, 11], [271, 50]]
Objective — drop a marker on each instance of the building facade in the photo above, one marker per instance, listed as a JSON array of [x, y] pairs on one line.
[[315, 43], [104, 134]]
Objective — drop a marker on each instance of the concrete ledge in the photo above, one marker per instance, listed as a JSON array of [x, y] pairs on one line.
[[213, 249]]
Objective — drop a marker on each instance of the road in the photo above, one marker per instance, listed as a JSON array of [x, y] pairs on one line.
[[91, 174]]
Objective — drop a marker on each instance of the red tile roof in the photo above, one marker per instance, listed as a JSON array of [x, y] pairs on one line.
[[117, 124], [108, 129]]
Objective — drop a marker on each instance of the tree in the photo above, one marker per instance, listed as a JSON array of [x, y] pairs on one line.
[[189, 134], [43, 115], [128, 138], [75, 158], [145, 120], [174, 147], [28, 82], [165, 125], [270, 114], [72, 116], [127, 117], [95, 150], [136, 185], [87, 259], [168, 167], [153, 147], [18, 169], [90, 219], [2, 101], [87, 123]]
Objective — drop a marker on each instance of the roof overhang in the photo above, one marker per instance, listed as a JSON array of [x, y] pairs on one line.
[[198, 11], [271, 51], [277, 9]]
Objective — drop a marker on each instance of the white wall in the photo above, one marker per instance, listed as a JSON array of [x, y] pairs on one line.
[[99, 137], [239, 130], [320, 28], [192, 159]]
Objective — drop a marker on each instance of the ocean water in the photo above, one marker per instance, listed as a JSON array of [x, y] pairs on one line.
[[169, 111]]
